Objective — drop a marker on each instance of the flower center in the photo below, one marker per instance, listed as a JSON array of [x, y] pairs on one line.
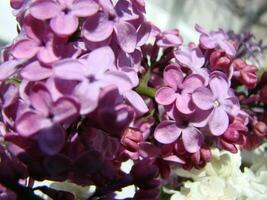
[[216, 103]]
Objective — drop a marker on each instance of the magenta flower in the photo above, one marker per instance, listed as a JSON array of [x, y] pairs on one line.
[[178, 89], [218, 99], [217, 39], [63, 14], [45, 118]]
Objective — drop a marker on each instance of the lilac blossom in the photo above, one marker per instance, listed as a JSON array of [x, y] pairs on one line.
[[178, 89], [45, 117], [218, 100], [63, 14], [216, 39]]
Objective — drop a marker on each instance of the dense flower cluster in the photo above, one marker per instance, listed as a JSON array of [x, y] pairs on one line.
[[83, 90]]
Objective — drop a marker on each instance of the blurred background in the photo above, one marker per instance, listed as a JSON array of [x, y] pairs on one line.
[[237, 15]]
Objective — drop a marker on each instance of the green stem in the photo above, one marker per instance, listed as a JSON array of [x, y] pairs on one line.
[[145, 91]]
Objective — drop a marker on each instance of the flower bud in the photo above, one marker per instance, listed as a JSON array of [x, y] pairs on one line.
[[205, 154], [260, 129], [227, 146], [219, 60], [131, 138]]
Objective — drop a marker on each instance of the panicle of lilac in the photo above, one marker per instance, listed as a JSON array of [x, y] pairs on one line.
[[82, 91]]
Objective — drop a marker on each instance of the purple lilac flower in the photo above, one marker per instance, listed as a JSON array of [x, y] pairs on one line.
[[178, 89], [63, 14], [216, 39], [218, 99], [45, 117]]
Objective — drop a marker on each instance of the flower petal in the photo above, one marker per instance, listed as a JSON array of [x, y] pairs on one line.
[[143, 33], [88, 96], [192, 82], [219, 87], [65, 110], [184, 103], [64, 24], [84, 8], [8, 68], [25, 49], [30, 123], [203, 98], [69, 69], [120, 79], [173, 76], [51, 139], [165, 96], [192, 139], [44, 9], [167, 132], [35, 72], [126, 36], [136, 101], [97, 28], [219, 121], [100, 60]]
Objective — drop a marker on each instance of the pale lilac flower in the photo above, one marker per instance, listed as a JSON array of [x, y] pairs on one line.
[[216, 39], [192, 58], [63, 14], [169, 38], [218, 99], [93, 73], [178, 89]]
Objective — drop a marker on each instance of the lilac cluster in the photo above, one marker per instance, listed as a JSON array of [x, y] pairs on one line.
[[82, 91]]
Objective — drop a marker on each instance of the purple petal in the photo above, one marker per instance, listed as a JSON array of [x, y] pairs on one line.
[[30, 123], [174, 158], [165, 96], [51, 139], [228, 47], [84, 8], [45, 9], [143, 33], [25, 49], [184, 103], [192, 139], [122, 81], [88, 96], [47, 55], [126, 36], [35, 72], [64, 24], [65, 110], [219, 87], [124, 11], [8, 68], [41, 99], [173, 76], [192, 82], [136, 101], [9, 94], [219, 121], [97, 28], [167, 132], [103, 55], [69, 69], [203, 98]]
